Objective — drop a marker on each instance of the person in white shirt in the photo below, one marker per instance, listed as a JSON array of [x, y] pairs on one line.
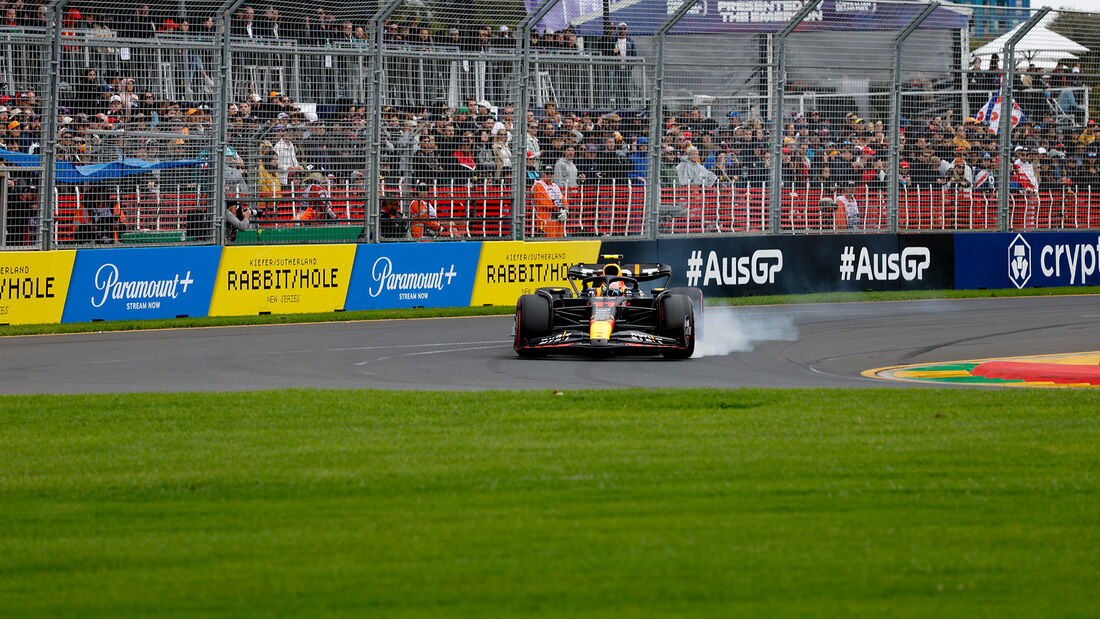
[[288, 155], [845, 199]]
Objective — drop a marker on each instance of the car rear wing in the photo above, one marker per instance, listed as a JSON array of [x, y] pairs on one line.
[[643, 272]]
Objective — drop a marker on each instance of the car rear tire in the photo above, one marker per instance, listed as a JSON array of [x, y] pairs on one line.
[[675, 309], [532, 320]]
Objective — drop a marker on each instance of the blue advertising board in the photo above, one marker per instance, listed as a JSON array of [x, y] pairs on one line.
[[392, 275], [1027, 260], [130, 284], [762, 265]]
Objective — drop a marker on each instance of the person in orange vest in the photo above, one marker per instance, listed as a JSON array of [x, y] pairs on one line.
[[422, 213], [550, 205], [317, 201]]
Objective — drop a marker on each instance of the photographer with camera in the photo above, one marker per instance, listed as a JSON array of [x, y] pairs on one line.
[[237, 217]]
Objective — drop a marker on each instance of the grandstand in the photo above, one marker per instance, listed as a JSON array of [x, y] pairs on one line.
[[138, 123]]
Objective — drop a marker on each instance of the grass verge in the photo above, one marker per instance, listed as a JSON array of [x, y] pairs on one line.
[[218, 321], [901, 503]]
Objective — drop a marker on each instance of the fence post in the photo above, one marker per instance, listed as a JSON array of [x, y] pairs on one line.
[[49, 149], [374, 170], [895, 117], [779, 87], [653, 154], [221, 127], [519, 124], [1004, 146]]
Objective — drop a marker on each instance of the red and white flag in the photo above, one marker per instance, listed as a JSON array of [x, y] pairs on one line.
[[1025, 175], [992, 113]]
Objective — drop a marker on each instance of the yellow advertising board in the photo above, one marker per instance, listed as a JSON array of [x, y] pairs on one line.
[[286, 279], [508, 269], [33, 286]]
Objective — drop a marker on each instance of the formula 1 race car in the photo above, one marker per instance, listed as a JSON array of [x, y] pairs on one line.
[[607, 312]]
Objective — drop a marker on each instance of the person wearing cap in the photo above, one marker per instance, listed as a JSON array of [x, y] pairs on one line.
[[453, 38], [550, 207], [503, 37], [17, 140], [959, 175], [1088, 175], [956, 172], [484, 113], [463, 119], [733, 122], [904, 179], [1026, 175], [622, 47], [235, 183], [316, 200]]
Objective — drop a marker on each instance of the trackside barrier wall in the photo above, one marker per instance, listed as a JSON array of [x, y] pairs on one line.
[[413, 275], [290, 279], [1027, 260], [147, 283], [740, 266], [513, 268], [141, 284], [33, 286]]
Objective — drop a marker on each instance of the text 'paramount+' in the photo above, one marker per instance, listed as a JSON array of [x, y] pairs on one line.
[[909, 264], [282, 279], [759, 268], [149, 291], [410, 285]]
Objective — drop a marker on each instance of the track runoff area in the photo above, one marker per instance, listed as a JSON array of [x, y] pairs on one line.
[[1072, 370]]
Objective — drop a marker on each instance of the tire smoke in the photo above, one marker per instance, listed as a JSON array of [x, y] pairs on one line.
[[725, 331]]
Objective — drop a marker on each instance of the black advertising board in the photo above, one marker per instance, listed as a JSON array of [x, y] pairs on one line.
[[761, 265]]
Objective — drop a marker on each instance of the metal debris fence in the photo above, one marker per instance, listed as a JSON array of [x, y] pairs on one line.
[[207, 122]]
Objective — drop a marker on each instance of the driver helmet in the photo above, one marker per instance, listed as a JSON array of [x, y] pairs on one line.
[[616, 289]]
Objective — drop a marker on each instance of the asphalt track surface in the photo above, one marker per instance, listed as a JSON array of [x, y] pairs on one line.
[[819, 345]]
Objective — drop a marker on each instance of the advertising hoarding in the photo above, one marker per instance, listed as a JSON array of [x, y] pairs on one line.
[[393, 275], [283, 279], [142, 283], [33, 286]]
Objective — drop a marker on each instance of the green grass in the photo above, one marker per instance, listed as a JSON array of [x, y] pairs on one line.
[[218, 321], [754, 503]]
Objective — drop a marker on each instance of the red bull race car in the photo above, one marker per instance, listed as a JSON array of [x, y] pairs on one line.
[[605, 310]]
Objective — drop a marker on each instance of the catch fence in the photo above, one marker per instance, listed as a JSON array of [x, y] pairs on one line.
[[243, 122]]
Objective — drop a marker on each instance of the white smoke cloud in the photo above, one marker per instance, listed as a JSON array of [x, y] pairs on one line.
[[725, 330]]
